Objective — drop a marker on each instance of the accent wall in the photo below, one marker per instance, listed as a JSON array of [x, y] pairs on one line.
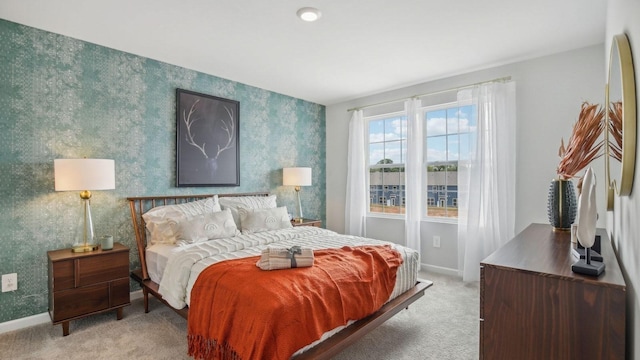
[[65, 98]]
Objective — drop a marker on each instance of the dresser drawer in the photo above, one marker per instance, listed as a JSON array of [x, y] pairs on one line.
[[105, 267], [76, 302]]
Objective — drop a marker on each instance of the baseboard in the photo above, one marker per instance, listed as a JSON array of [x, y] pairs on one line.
[[43, 318], [134, 295], [24, 322], [439, 270]]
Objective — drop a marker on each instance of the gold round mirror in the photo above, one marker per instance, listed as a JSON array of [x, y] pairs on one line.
[[620, 139]]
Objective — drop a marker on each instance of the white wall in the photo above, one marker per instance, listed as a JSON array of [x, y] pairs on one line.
[[549, 89], [623, 224]]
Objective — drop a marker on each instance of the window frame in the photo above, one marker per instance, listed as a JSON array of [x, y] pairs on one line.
[[423, 115], [423, 110]]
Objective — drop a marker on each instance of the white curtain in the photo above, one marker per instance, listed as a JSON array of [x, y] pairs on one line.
[[486, 182], [414, 171], [356, 200]]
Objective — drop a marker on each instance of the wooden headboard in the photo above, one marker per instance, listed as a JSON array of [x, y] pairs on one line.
[[142, 204]]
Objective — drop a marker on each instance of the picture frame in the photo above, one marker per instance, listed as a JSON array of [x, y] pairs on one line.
[[207, 140]]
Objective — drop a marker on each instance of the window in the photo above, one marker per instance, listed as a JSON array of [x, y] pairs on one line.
[[447, 139], [387, 152]]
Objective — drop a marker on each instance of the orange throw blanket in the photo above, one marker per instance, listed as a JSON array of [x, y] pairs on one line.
[[238, 311]]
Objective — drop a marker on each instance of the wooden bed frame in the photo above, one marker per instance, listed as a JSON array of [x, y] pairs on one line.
[[325, 349]]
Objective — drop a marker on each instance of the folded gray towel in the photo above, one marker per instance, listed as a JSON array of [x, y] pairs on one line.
[[282, 258]]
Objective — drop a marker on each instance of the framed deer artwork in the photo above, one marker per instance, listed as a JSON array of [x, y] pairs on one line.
[[207, 144]]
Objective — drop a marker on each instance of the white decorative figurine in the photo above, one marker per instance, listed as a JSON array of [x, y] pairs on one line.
[[588, 215]]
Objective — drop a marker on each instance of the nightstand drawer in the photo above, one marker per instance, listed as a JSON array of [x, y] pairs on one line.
[[62, 275], [120, 292], [104, 267], [306, 222], [76, 302]]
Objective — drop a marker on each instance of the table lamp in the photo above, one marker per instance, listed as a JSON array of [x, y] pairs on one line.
[[84, 175], [297, 176]]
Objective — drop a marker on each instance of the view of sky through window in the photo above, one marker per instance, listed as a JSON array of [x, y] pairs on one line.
[[388, 140], [447, 132]]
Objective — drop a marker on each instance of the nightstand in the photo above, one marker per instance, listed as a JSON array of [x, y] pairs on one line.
[[82, 284], [306, 222]]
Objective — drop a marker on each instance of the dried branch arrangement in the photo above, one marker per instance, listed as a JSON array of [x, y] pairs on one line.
[[615, 129], [584, 144]]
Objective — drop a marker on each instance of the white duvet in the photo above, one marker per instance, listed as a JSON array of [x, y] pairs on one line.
[[185, 263]]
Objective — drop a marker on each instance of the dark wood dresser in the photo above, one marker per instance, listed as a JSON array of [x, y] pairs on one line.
[[82, 284], [532, 306]]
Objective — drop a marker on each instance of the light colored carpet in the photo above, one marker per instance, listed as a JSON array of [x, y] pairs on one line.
[[441, 325]]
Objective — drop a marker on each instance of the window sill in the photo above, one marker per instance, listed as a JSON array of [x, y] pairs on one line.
[[385, 216], [439, 220]]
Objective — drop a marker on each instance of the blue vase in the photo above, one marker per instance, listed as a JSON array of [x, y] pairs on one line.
[[562, 204]]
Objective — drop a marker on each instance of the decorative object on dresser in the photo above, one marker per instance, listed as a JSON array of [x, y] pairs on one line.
[[84, 175], [588, 216], [620, 97], [561, 207], [208, 140], [532, 306], [306, 222], [582, 148], [297, 176], [82, 284]]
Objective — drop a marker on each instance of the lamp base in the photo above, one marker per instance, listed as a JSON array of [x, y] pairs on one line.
[[84, 248]]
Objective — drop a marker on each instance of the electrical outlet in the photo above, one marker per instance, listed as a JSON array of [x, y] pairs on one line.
[[9, 282], [436, 241]]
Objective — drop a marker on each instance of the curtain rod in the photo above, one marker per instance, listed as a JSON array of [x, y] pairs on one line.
[[502, 79]]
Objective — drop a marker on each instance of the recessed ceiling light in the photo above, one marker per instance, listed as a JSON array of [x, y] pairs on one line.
[[309, 14]]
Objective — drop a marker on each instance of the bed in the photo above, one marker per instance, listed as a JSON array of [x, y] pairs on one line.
[[164, 264]]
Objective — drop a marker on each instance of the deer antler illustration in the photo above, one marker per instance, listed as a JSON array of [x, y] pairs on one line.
[[188, 122], [229, 128], [227, 125]]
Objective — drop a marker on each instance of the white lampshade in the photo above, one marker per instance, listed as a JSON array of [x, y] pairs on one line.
[[84, 174], [297, 176]]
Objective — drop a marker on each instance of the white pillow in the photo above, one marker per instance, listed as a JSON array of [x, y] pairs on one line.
[[207, 226], [233, 203], [258, 220], [161, 220]]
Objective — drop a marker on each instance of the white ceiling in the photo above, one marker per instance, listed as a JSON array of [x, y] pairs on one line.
[[357, 48]]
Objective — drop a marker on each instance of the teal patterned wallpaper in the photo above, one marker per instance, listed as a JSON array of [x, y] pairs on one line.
[[65, 98]]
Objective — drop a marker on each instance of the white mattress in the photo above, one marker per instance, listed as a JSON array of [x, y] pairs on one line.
[[157, 257]]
